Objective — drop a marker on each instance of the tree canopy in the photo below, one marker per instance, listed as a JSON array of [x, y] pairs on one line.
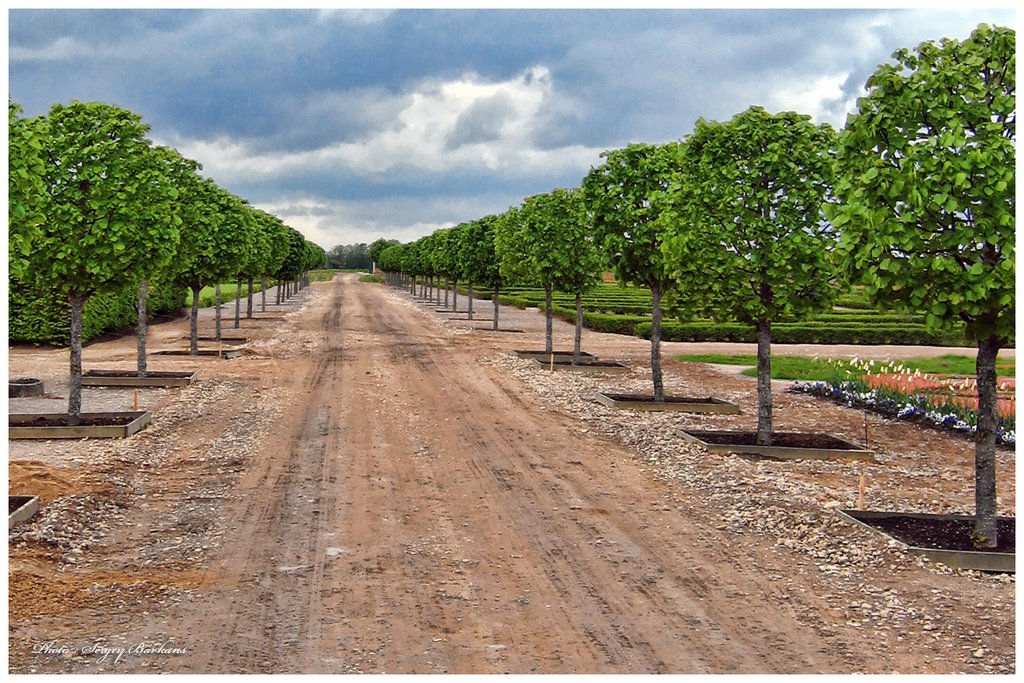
[[926, 201], [745, 237]]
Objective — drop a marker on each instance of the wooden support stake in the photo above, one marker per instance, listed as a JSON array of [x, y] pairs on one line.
[[860, 496], [552, 368], [135, 401]]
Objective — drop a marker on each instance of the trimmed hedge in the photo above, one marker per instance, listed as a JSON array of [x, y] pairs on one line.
[[805, 333], [44, 316]]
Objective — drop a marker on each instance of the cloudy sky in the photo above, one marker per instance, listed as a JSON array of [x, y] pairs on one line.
[[356, 124]]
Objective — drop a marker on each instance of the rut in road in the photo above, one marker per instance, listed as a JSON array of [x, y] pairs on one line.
[[419, 514]]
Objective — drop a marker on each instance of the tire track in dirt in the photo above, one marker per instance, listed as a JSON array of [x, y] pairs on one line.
[[636, 613]]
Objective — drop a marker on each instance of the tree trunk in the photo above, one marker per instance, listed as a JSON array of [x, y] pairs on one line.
[[216, 310], [238, 303], [548, 330], [578, 336], [469, 295], [263, 294], [446, 292], [455, 295], [764, 382], [248, 303], [497, 290], [75, 383], [140, 328], [278, 300], [985, 531], [656, 378], [193, 323], [412, 288]]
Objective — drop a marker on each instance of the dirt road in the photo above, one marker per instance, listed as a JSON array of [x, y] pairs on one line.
[[403, 507]]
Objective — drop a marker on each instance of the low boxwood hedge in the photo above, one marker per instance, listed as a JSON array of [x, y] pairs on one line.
[[43, 316], [805, 333]]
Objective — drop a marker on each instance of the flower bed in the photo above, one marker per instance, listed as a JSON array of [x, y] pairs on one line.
[[944, 402]]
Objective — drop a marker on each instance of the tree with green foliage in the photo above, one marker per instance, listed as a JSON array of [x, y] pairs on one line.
[[236, 224], [178, 172], [105, 227], [411, 265], [376, 248], [292, 263], [26, 191], [218, 240], [745, 236], [549, 241], [270, 249], [390, 261], [926, 203], [443, 255], [620, 196], [479, 264]]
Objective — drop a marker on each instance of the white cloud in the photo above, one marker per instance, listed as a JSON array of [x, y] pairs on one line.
[[815, 97], [61, 50], [329, 223], [357, 17], [417, 135]]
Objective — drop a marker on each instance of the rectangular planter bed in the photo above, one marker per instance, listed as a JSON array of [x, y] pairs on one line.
[[222, 353], [488, 328], [20, 509], [916, 532], [559, 356], [234, 341], [475, 318], [601, 366], [785, 445], [92, 425], [130, 378], [682, 404]]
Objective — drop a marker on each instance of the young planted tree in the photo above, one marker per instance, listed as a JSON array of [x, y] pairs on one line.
[[375, 250], [216, 242], [235, 223], [926, 206], [442, 256], [390, 261], [550, 241], [26, 190], [745, 236], [620, 197], [179, 172], [292, 264], [269, 249], [479, 262], [105, 228], [411, 265]]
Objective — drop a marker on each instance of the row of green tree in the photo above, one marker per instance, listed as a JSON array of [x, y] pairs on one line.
[[764, 216], [355, 256], [95, 207]]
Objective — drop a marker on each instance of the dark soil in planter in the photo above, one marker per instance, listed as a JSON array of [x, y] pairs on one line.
[[584, 362], [668, 399], [780, 439], [585, 357], [102, 420], [15, 502], [168, 374], [943, 532]]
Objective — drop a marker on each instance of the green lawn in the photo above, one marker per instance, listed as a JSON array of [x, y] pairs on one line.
[[810, 369], [227, 293]]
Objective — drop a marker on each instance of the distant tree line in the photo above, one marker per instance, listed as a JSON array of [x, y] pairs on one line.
[[356, 256]]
